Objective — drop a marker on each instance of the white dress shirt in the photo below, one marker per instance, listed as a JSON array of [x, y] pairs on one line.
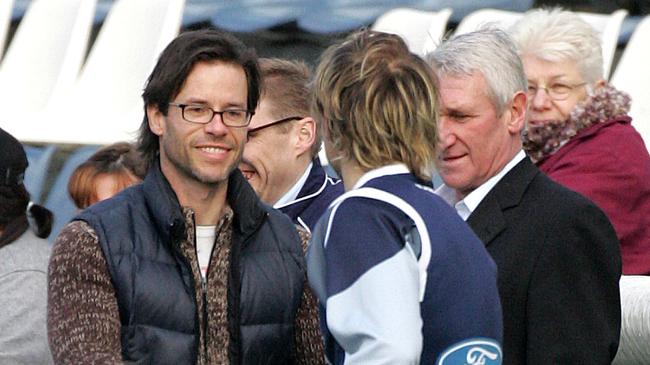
[[466, 206]]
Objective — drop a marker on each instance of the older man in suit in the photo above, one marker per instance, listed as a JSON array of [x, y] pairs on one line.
[[557, 253]]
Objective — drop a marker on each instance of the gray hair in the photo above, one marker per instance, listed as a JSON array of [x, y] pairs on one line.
[[489, 51], [557, 35]]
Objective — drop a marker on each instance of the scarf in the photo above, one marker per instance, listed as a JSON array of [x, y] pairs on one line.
[[605, 103]]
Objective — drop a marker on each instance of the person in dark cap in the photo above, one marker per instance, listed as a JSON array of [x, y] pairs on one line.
[[24, 255]]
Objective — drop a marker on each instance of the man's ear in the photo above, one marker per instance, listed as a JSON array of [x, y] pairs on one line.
[[305, 133], [517, 109], [156, 120]]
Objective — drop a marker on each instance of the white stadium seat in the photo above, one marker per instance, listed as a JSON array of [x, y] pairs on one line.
[[6, 6], [421, 30], [105, 104], [44, 56], [632, 75]]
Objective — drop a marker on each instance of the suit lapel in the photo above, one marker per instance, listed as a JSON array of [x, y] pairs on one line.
[[488, 219]]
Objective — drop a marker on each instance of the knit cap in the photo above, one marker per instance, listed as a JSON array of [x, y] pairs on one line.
[[13, 160]]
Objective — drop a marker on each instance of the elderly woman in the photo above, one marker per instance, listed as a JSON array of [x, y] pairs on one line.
[[578, 129]]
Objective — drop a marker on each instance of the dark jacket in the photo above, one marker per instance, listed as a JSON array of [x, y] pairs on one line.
[[609, 164], [559, 265], [140, 231], [313, 199]]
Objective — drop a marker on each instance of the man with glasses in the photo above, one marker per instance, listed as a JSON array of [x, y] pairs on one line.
[[281, 156], [188, 267], [556, 252]]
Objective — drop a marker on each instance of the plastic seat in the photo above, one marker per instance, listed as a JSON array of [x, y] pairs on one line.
[[36, 174], [105, 104], [58, 200], [632, 76], [421, 30], [608, 25], [44, 57], [6, 8]]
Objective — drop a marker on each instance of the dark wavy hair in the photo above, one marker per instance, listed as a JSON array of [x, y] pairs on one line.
[[174, 66]]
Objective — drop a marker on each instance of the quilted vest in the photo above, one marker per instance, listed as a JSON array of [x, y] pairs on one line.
[[140, 231]]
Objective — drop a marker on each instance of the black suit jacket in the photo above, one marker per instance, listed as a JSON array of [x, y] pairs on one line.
[[559, 265]]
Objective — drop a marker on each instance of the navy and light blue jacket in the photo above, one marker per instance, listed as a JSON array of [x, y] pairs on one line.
[[318, 192], [402, 279]]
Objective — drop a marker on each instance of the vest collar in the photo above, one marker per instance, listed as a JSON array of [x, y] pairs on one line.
[[163, 203], [168, 214], [248, 210]]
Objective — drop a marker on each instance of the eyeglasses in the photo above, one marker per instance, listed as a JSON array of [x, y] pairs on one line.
[[556, 92], [202, 114], [283, 120]]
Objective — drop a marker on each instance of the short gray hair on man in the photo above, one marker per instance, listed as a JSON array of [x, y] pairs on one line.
[[557, 35], [489, 51]]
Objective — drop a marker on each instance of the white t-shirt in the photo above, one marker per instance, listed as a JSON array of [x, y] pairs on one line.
[[205, 236]]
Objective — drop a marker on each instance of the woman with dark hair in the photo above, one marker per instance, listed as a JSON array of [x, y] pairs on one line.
[[24, 255], [107, 172]]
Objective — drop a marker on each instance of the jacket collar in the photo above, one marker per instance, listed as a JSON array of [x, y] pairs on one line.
[[314, 185], [314, 181], [583, 135], [248, 209], [168, 215], [163, 203], [488, 220]]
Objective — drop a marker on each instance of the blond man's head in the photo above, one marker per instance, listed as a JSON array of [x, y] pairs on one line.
[[378, 103]]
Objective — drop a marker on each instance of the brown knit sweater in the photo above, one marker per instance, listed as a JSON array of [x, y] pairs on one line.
[[83, 318]]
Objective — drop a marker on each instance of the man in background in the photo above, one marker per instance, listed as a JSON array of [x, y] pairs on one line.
[[281, 155]]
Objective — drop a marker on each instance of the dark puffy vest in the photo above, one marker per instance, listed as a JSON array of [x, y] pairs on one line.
[[140, 231]]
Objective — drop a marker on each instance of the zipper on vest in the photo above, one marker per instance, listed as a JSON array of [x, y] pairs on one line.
[[188, 265]]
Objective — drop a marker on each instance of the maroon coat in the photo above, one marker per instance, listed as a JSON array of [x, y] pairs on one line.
[[609, 163]]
